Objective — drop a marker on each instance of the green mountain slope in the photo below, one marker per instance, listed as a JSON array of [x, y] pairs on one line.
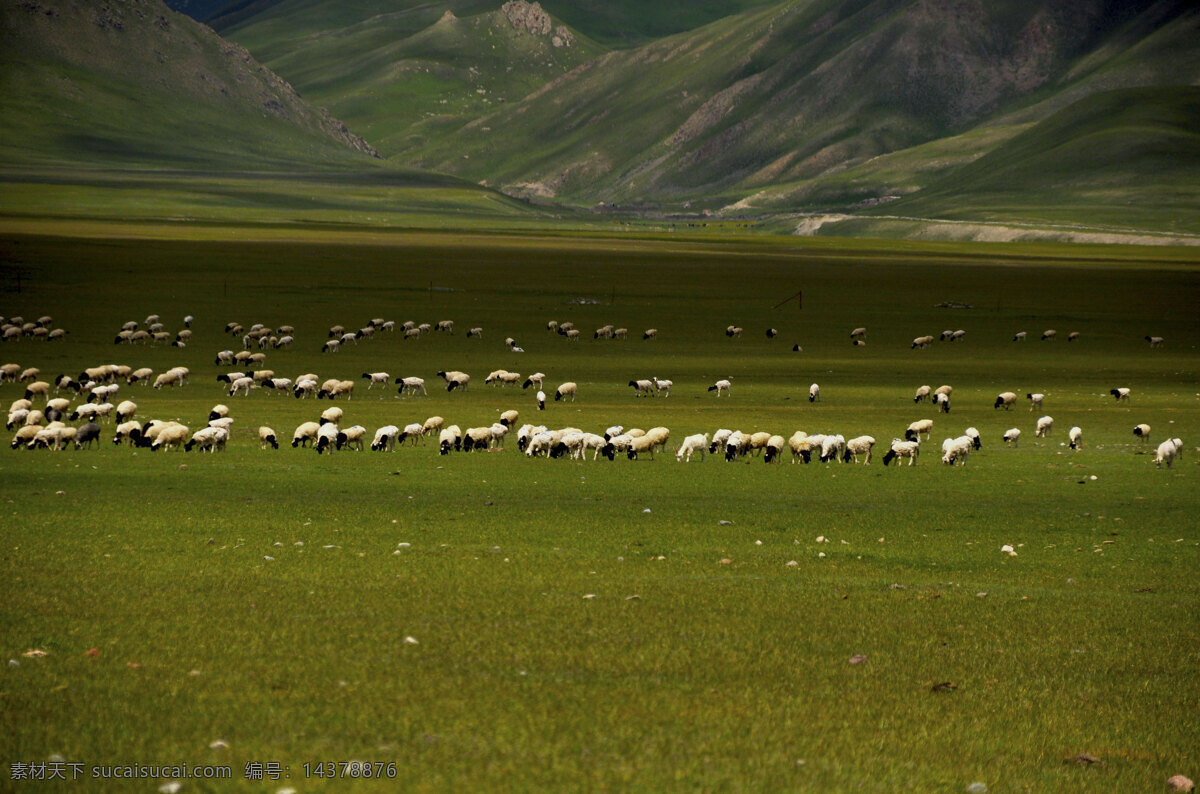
[[1125, 159], [800, 91], [134, 84]]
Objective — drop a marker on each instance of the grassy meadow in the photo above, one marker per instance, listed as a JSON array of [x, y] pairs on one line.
[[492, 622]]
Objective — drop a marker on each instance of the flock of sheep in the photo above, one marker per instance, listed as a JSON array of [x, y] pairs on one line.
[[47, 427]]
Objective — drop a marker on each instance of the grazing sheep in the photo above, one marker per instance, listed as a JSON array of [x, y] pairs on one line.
[[267, 436], [128, 430], [942, 401], [1121, 394], [923, 393], [412, 432], [921, 342], [385, 439], [801, 447], [29, 373], [1019, 336], [1165, 453], [814, 393], [172, 434], [509, 418], [1035, 399], [1044, 426], [1156, 341], [693, 443], [641, 388], [432, 424], [718, 440], [565, 390], [1049, 335], [903, 449], [655, 438], [339, 388], [351, 437], [536, 379], [1005, 400], [176, 376], [604, 332], [721, 386], [772, 333], [736, 445], [455, 379], [373, 378], [1142, 431], [475, 333], [1012, 436], [774, 449], [1075, 434], [649, 333], [832, 448], [242, 384], [917, 428], [956, 450], [733, 331], [973, 434], [208, 439], [305, 434], [125, 411], [411, 385], [541, 400], [860, 445], [140, 375], [858, 333], [9, 372], [39, 388], [327, 438], [449, 439], [25, 435], [331, 415]]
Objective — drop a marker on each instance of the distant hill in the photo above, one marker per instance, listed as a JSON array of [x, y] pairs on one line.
[[837, 105], [135, 84]]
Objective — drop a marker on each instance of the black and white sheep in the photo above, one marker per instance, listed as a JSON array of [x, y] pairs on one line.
[[721, 386], [565, 390], [903, 449], [1005, 400]]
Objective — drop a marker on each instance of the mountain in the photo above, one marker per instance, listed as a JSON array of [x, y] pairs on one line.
[[809, 105], [135, 84]]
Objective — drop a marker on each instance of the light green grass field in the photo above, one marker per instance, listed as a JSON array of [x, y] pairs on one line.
[[575, 625]]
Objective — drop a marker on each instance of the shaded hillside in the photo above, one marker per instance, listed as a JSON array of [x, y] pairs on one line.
[[403, 89], [1126, 159], [135, 84], [802, 90]]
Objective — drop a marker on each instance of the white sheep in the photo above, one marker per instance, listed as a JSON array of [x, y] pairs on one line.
[[832, 447], [663, 386], [641, 388], [593, 442], [385, 439], [1044, 425], [1005, 400], [1165, 454], [721, 386], [455, 379], [773, 452], [373, 378], [351, 437], [207, 439], [1035, 399], [1012, 436], [411, 385], [266, 436], [814, 393], [305, 434], [171, 434], [919, 428], [242, 384], [327, 435], [903, 449], [1075, 434], [432, 424], [956, 450], [565, 390], [859, 445], [801, 447], [341, 388], [691, 444]]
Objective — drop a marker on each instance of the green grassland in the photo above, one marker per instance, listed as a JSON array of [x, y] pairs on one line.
[[575, 625]]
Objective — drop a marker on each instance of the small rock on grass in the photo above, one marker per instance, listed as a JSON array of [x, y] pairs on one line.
[[858, 658]]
